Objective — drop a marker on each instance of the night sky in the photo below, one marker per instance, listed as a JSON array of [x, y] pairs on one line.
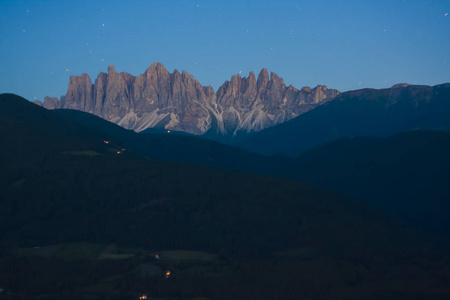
[[342, 44]]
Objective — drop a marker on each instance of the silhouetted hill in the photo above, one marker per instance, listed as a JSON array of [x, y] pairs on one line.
[[176, 147], [364, 112], [390, 174], [405, 174], [268, 234], [396, 175], [26, 129]]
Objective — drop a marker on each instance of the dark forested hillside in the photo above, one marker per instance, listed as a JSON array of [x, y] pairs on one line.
[[177, 147], [405, 174], [83, 219]]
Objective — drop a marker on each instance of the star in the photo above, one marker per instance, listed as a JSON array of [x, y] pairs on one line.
[[446, 14]]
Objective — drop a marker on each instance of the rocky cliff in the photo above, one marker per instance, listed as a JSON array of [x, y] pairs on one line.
[[177, 101]]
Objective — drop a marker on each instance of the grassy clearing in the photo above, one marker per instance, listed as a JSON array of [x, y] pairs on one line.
[[114, 252], [115, 256], [111, 279], [81, 250], [178, 256], [103, 288], [46, 251], [84, 153], [18, 183], [300, 254]]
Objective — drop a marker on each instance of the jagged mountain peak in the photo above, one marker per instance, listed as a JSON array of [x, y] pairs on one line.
[[157, 69], [252, 77], [177, 101], [264, 73], [156, 66], [111, 69], [185, 74]]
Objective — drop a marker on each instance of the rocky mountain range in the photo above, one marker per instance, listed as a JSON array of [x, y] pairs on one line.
[[365, 112], [177, 101]]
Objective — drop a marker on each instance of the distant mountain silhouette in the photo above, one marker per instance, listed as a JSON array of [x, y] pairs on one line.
[[364, 112]]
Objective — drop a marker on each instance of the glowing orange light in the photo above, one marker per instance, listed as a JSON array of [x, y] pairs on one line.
[[106, 142], [143, 297], [168, 273], [118, 152], [168, 131]]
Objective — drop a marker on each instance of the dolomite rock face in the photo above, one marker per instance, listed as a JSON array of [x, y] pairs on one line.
[[177, 101], [249, 104]]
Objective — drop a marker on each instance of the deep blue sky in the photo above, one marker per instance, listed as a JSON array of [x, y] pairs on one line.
[[342, 44]]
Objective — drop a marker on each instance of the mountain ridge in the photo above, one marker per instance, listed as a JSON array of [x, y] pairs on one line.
[[177, 101], [365, 112]]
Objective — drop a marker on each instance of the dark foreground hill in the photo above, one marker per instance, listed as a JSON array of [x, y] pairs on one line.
[[176, 146], [405, 174], [364, 112], [231, 235]]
